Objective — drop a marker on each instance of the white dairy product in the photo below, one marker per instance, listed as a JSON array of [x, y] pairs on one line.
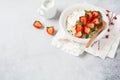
[[72, 18]]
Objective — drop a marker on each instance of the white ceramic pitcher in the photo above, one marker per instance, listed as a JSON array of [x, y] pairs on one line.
[[47, 9]]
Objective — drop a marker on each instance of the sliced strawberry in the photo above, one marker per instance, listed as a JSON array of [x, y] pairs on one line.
[[37, 24], [78, 28], [89, 15], [91, 25], [78, 34], [83, 19], [50, 30], [96, 14], [86, 30], [96, 21]]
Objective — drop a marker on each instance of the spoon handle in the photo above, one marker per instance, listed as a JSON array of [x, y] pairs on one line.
[[94, 35]]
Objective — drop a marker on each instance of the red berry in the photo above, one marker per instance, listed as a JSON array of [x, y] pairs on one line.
[[78, 28], [115, 17], [107, 36], [50, 30], [86, 30], [107, 14], [78, 34], [108, 30], [112, 23], [96, 14], [37, 24], [83, 19]]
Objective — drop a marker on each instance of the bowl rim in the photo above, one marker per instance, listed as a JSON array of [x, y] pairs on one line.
[[69, 10]]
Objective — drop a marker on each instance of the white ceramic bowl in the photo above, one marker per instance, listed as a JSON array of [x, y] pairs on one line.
[[82, 6]]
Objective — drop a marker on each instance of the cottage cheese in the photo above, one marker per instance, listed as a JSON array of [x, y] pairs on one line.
[[72, 18]]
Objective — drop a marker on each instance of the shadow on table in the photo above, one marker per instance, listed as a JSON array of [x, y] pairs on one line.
[[57, 16], [83, 55]]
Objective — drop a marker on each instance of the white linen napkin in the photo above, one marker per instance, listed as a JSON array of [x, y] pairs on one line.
[[108, 46]]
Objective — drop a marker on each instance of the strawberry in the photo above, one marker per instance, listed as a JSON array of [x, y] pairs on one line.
[[78, 28], [89, 15], [50, 30], [91, 25], [78, 34], [37, 24], [96, 14], [96, 21], [86, 30], [83, 19]]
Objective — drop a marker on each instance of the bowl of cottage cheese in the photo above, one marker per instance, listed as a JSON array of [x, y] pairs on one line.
[[81, 21]]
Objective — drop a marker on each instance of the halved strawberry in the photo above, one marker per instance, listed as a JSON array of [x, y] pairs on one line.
[[78, 34], [89, 15], [83, 19], [96, 21], [86, 30], [50, 30], [78, 28], [96, 14], [91, 25], [37, 24]]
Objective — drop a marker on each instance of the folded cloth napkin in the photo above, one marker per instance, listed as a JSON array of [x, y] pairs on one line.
[[105, 47]]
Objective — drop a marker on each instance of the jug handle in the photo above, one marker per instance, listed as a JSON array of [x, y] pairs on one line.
[[41, 11]]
